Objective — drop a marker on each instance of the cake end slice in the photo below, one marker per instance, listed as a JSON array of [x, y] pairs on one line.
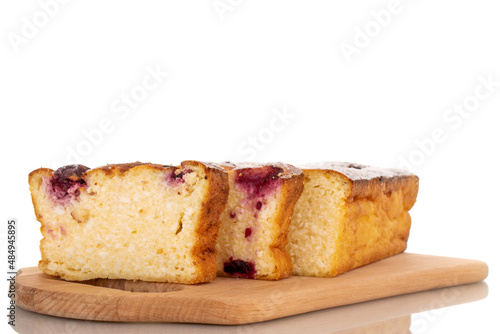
[[349, 215], [130, 221]]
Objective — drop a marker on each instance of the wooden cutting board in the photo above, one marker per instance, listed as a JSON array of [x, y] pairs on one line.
[[239, 301]]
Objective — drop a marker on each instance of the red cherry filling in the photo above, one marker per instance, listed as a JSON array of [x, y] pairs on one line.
[[258, 182], [66, 183], [240, 268], [248, 232], [176, 177], [62, 188]]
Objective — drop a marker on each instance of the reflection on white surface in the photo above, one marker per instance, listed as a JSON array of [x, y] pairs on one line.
[[388, 315]]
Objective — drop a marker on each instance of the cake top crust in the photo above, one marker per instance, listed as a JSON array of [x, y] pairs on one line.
[[212, 165], [124, 167], [76, 171], [286, 170], [73, 172], [368, 182], [357, 172]]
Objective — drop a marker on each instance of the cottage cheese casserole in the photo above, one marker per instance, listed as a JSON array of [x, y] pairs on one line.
[[130, 221]]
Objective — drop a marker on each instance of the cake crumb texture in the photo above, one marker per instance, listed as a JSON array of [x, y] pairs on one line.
[[130, 221]]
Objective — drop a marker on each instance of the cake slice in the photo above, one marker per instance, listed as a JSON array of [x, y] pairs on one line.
[[349, 215], [254, 228], [130, 221]]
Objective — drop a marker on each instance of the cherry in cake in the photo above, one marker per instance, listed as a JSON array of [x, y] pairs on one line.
[[254, 228], [65, 184], [239, 268]]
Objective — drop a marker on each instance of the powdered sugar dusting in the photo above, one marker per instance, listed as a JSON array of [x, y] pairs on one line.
[[357, 172]]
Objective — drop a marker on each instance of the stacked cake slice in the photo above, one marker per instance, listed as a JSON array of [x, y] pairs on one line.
[[254, 229]]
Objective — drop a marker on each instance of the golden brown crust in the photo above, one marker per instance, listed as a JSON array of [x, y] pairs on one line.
[[376, 223], [292, 189], [209, 224], [369, 240], [125, 167]]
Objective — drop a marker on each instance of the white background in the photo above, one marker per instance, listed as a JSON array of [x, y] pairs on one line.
[[231, 69]]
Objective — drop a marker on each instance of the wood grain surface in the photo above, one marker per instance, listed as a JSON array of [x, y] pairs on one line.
[[238, 301]]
